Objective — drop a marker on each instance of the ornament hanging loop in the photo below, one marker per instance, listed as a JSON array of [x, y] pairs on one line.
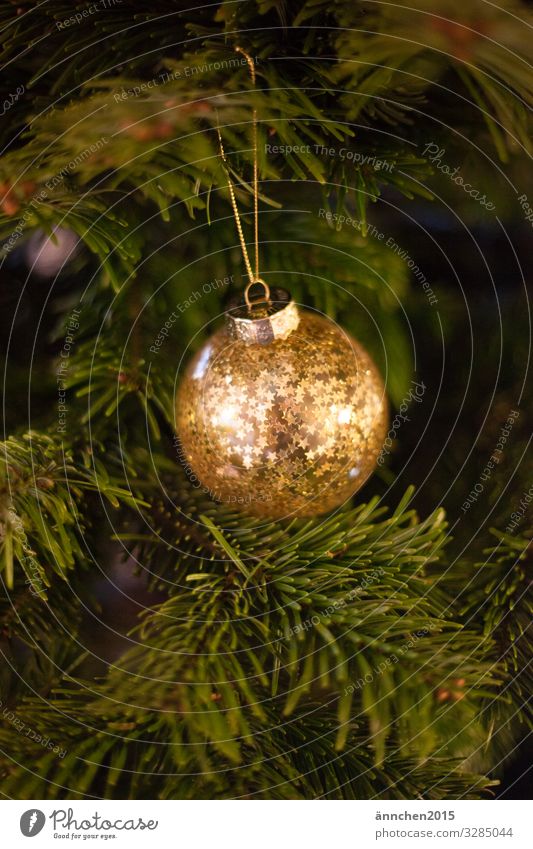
[[264, 298]]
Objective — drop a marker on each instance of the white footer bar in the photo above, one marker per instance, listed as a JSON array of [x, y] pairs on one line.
[[268, 824]]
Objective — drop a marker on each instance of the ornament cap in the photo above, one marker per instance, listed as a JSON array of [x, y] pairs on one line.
[[261, 319]]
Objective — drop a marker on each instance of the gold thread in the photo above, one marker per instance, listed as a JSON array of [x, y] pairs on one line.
[[251, 66], [253, 277], [236, 212]]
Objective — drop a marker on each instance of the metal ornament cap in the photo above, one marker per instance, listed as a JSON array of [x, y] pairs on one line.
[[260, 321]]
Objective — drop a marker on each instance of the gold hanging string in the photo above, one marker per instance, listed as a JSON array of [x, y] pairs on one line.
[[251, 67], [252, 274], [236, 213]]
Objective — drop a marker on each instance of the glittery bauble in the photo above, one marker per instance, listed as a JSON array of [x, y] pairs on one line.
[[281, 411]]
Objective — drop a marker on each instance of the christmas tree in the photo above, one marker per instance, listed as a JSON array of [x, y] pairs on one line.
[[155, 642]]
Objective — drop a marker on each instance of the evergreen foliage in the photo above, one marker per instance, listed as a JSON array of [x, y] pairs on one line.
[[362, 655]]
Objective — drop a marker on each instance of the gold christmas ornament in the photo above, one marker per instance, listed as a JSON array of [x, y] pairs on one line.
[[281, 411]]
